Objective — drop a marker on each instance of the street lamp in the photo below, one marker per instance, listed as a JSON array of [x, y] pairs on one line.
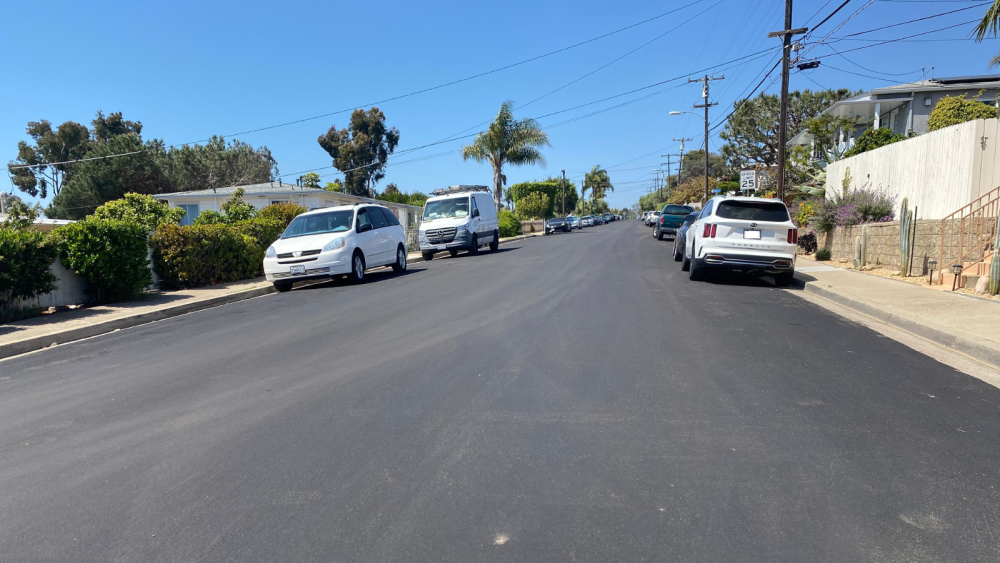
[[706, 141]]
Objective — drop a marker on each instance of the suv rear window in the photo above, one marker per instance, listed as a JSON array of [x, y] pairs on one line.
[[752, 211]]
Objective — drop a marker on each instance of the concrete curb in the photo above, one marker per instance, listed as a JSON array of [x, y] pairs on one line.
[[943, 336], [69, 335]]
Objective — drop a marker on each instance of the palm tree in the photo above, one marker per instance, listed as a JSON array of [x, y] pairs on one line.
[[507, 141], [597, 181], [990, 24]]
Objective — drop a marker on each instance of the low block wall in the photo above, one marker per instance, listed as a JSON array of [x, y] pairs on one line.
[[883, 244], [526, 226]]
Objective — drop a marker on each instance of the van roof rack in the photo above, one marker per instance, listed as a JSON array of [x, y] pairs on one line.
[[460, 189]]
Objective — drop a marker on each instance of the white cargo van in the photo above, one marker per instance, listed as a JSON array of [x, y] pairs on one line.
[[459, 218]]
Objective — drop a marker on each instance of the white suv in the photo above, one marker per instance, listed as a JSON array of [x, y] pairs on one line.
[[336, 240], [742, 234]]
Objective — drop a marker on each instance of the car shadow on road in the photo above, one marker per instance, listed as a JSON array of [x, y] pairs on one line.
[[371, 276], [738, 279]]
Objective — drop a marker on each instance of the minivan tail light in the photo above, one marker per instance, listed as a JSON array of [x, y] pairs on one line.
[[793, 236]]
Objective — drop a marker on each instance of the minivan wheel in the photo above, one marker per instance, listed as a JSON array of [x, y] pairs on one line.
[[400, 265], [358, 268], [283, 286], [495, 243], [475, 246]]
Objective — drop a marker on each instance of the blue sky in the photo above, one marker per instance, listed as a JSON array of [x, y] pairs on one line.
[[189, 70]]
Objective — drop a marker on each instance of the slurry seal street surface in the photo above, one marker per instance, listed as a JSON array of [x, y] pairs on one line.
[[568, 398]]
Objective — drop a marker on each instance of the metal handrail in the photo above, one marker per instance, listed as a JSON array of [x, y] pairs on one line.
[[974, 226]]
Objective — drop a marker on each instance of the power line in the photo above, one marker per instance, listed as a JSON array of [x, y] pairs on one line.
[[979, 5], [869, 69], [902, 38]]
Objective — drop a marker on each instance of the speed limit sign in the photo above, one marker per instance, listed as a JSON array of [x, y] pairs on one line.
[[748, 180]]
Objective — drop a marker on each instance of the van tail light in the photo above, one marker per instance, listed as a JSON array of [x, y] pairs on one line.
[[793, 236], [709, 231]]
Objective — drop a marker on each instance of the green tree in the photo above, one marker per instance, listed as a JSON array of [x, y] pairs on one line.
[[95, 182], [693, 166], [873, 139], [952, 110], [597, 181], [752, 131], [989, 25], [114, 125], [218, 164], [310, 180], [507, 141], [551, 187], [70, 141], [236, 209], [361, 150], [335, 186]]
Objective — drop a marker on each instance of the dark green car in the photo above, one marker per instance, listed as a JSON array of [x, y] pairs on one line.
[[670, 219]]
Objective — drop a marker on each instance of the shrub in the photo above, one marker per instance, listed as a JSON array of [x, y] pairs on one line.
[[282, 212], [215, 253], [109, 254], [807, 242], [509, 225], [142, 209], [235, 209], [209, 217], [25, 257], [533, 205], [805, 212], [873, 139], [853, 207], [952, 110], [823, 254]]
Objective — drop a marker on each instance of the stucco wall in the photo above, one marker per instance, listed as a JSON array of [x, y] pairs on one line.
[[938, 172], [69, 290]]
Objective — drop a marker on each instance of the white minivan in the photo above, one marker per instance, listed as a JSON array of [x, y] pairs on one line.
[[459, 218], [331, 241]]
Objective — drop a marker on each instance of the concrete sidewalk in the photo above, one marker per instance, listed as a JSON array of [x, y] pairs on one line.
[[49, 330], [957, 321]]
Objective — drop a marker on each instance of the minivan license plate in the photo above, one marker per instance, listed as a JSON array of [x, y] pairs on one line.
[[297, 270], [751, 235]]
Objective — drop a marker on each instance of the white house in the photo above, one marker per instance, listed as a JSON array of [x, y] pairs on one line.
[[262, 195]]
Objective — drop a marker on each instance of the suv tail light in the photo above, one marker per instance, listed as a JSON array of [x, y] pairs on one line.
[[709, 231], [793, 236]]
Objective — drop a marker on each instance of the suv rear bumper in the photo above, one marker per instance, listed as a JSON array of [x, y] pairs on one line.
[[750, 263]]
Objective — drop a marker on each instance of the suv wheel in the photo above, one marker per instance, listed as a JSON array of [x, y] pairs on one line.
[[694, 271], [784, 279]]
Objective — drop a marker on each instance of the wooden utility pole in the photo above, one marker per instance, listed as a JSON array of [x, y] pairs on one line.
[[564, 193], [680, 163], [704, 94], [786, 51]]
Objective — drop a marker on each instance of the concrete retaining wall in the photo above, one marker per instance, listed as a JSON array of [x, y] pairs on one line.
[[939, 172]]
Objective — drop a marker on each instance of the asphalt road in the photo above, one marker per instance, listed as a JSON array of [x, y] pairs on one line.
[[569, 398]]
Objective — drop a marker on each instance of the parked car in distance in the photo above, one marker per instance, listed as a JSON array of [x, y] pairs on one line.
[[652, 218], [458, 218], [575, 222], [681, 234], [671, 217], [336, 240], [742, 234], [558, 224], [588, 221]]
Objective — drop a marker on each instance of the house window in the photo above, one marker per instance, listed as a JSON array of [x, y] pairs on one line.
[[274, 201], [190, 213]]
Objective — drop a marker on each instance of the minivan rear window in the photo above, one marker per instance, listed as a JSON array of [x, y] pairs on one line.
[[753, 211]]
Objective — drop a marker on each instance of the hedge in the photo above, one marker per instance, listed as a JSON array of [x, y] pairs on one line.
[[205, 254], [25, 257], [110, 255], [509, 225], [283, 212]]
